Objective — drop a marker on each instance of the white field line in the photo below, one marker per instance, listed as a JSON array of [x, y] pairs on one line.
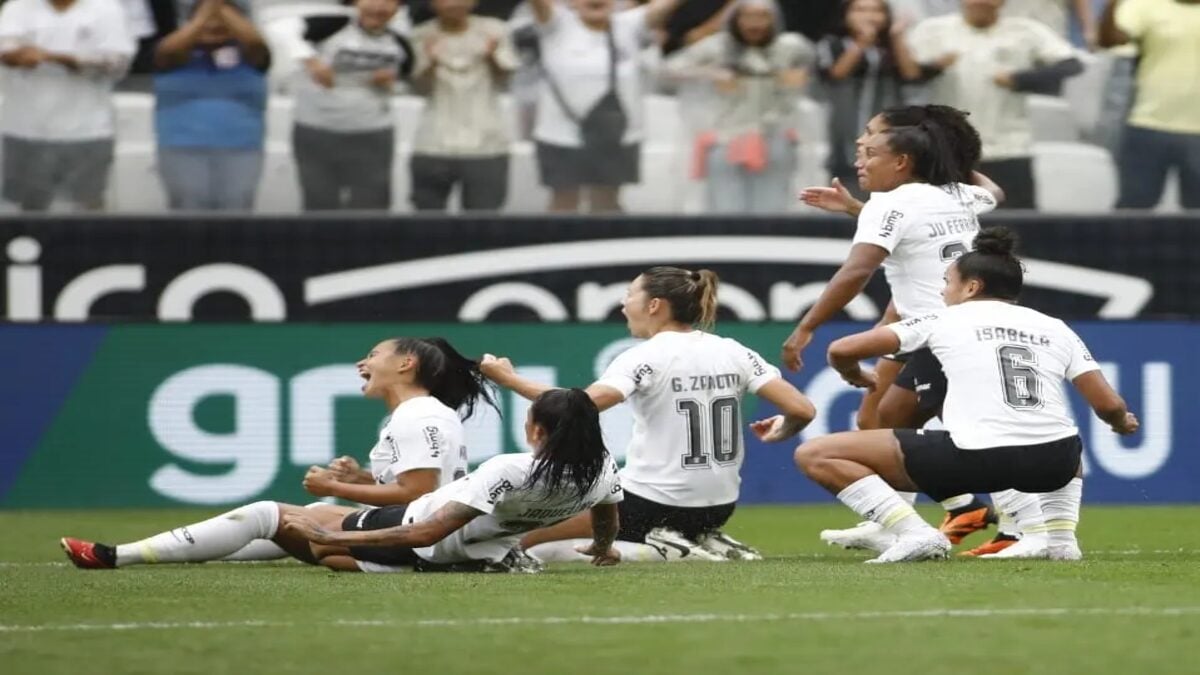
[[980, 613]]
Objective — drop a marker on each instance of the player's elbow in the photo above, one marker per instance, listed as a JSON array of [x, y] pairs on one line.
[[841, 350]]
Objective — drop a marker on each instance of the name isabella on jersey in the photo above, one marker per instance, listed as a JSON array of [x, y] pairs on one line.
[[1000, 333]]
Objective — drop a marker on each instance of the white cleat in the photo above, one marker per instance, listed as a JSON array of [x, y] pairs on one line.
[[1064, 552], [1029, 547], [719, 543], [866, 536], [928, 544], [675, 546]]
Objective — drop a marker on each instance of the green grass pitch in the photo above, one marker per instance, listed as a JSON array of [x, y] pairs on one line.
[[1133, 606]]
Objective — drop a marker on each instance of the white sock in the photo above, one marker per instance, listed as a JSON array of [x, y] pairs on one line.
[[210, 539], [564, 551], [957, 502], [1023, 509], [1006, 526], [1061, 509], [876, 501], [257, 551], [910, 497]]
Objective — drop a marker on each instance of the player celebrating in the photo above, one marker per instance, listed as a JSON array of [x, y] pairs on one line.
[[426, 385], [681, 477], [475, 522], [1008, 426], [922, 215]]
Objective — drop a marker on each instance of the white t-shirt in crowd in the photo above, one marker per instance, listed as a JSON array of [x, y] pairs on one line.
[[423, 433], [686, 391], [1005, 365], [511, 507], [577, 58], [1010, 45], [50, 102], [923, 228]]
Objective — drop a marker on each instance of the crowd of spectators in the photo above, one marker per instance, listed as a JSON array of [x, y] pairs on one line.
[[578, 72]]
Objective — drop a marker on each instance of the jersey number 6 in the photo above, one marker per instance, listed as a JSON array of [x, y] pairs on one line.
[[723, 420]]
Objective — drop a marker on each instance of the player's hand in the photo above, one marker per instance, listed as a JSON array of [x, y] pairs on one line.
[[305, 527], [320, 482], [496, 368], [320, 72], [601, 558], [29, 57], [835, 198], [1004, 80], [859, 377], [772, 430], [1127, 425], [345, 467], [794, 346], [384, 78]]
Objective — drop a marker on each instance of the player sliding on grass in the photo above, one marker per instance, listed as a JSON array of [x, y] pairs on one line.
[[686, 385], [426, 385], [1008, 426], [918, 161]]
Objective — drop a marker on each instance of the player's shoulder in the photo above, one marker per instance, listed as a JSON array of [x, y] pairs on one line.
[[426, 408], [510, 465]]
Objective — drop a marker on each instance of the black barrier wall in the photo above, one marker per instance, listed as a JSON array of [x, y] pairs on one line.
[[547, 269]]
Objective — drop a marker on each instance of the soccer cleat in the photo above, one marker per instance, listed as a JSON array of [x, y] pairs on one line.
[[1030, 547], [866, 536], [675, 546], [1064, 552], [726, 546], [997, 544], [926, 544], [516, 561], [958, 524], [87, 555]]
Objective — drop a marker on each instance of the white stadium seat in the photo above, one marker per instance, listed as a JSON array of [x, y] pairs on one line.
[[1074, 178], [1053, 119], [135, 117]]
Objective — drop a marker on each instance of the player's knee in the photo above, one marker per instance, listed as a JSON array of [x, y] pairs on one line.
[[808, 456]]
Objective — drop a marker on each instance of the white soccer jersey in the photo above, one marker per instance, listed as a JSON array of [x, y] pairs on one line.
[[923, 228], [686, 391], [423, 433], [1005, 365], [511, 507]]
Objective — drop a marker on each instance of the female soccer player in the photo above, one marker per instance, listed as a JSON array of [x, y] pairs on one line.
[[686, 385], [426, 385], [1008, 426], [475, 522], [917, 161]]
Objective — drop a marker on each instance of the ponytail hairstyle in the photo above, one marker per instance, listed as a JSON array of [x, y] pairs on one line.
[[964, 138], [574, 454], [691, 295], [449, 376], [931, 150], [994, 264]]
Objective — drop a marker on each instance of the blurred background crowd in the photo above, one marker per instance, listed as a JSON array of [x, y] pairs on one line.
[[663, 106]]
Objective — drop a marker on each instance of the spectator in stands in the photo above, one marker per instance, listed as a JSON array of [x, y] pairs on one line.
[[864, 64], [344, 133], [589, 121], [748, 152], [1054, 14], [61, 59], [1163, 131], [463, 136], [211, 95], [694, 21], [420, 11], [986, 64]]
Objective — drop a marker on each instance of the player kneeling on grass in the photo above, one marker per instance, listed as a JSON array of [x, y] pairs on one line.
[[428, 387], [475, 522], [1008, 426]]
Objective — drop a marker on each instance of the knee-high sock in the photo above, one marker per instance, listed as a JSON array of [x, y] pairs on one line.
[[210, 539], [565, 551], [958, 502], [1024, 509], [910, 497], [262, 549], [1061, 509], [876, 501]]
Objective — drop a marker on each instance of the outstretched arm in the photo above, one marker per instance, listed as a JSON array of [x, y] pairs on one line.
[[407, 487], [451, 517], [500, 370], [795, 408], [845, 355], [1106, 402]]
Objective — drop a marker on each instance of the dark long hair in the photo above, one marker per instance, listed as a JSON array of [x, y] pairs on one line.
[[931, 151], [964, 138], [449, 376], [691, 294], [994, 263], [574, 454], [841, 28]]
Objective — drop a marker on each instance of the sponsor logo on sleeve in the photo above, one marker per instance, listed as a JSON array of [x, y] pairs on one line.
[[891, 220], [643, 371], [433, 439], [756, 364], [498, 489]]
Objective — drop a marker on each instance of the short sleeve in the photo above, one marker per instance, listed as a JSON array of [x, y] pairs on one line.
[[880, 223], [418, 444], [1133, 18], [629, 372], [488, 485], [631, 23], [1081, 358], [506, 53], [613, 494], [979, 200], [12, 25], [798, 51], [755, 369], [557, 21], [914, 333]]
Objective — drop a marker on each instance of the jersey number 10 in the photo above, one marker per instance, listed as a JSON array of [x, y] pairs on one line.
[[723, 422]]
